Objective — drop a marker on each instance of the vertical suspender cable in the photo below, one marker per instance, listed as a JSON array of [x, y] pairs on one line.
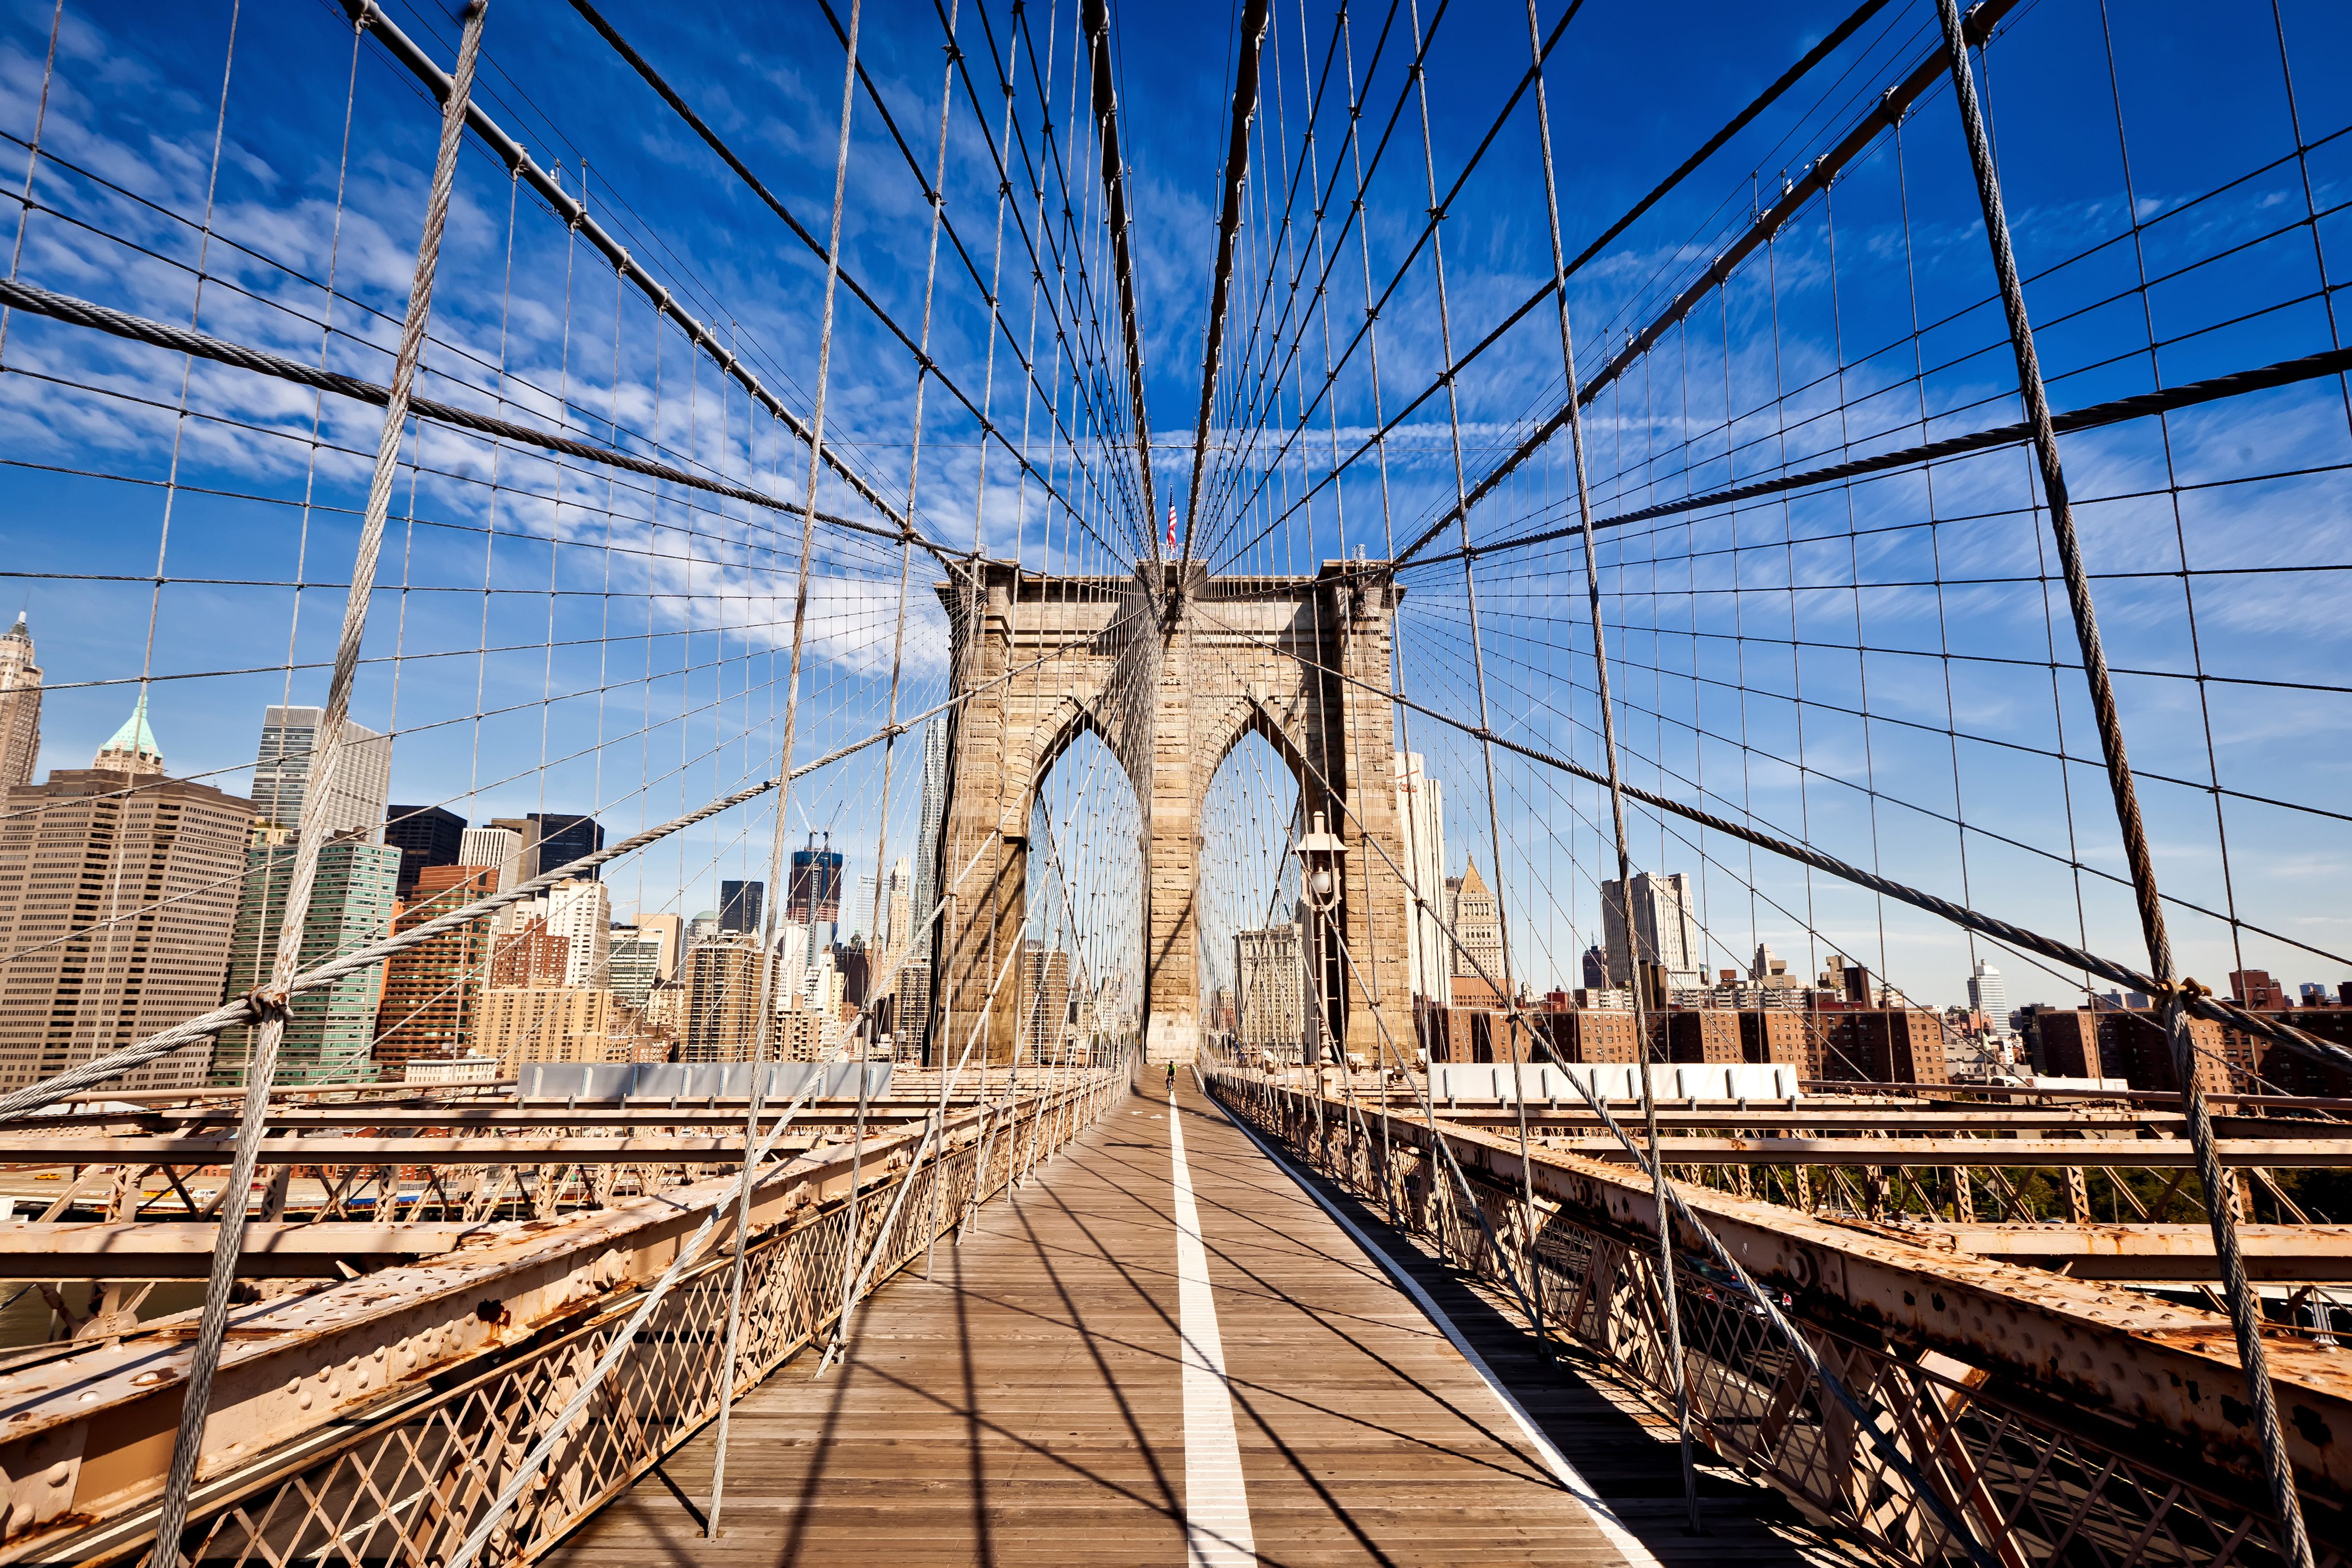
[[1534, 1296], [261, 1062], [765, 1023], [1616, 787], [2245, 1312], [906, 560], [1251, 37]]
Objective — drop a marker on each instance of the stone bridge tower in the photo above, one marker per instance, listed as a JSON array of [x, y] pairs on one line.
[[1172, 676]]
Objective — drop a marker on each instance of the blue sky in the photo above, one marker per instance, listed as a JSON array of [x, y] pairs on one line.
[[660, 627]]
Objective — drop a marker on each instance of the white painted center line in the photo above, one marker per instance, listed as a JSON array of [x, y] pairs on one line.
[[1627, 1544], [1216, 1504]]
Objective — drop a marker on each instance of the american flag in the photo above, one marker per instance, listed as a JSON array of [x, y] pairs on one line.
[[1171, 527]]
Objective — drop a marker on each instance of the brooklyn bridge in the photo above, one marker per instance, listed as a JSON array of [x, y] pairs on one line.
[[1660, 878]]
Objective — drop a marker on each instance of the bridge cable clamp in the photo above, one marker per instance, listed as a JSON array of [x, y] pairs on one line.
[[269, 1002]]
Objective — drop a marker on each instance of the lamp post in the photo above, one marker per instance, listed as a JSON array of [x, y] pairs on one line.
[[1320, 853]]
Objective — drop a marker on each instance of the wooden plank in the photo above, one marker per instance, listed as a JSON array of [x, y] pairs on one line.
[[1024, 1404]]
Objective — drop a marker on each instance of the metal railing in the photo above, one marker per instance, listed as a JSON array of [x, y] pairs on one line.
[[2036, 1480], [408, 1483]]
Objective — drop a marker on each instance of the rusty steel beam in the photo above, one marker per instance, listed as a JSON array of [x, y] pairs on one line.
[[1866, 1089], [84, 1436], [100, 1150], [2276, 1254], [2149, 1375], [695, 1114], [181, 1250]]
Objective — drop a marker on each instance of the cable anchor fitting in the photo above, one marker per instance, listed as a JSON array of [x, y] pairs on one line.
[[267, 1002]]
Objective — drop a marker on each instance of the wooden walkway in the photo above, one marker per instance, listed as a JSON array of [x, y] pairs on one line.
[[1053, 1394]]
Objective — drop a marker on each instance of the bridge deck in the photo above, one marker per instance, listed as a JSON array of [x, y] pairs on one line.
[[1031, 1402]]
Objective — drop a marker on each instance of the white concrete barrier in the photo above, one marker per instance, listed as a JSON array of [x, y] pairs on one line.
[[1610, 1082]]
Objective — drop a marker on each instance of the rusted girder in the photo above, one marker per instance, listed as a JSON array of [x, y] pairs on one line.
[[2151, 1376], [487, 1117], [72, 1149], [84, 1436], [183, 1249], [2276, 1254]]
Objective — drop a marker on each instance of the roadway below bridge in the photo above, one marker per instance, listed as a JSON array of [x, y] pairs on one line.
[[1166, 1350]]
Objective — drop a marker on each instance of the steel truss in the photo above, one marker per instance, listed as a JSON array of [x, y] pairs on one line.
[[2047, 1462], [387, 1442]]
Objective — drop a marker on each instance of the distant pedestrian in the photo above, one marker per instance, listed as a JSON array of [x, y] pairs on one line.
[[1171, 1078]]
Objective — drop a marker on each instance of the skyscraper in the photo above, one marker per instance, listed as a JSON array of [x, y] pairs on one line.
[[117, 904], [1044, 1001], [578, 911], [671, 931], [1478, 925], [132, 750], [526, 955], [498, 848], [1421, 810], [329, 1030], [899, 910], [551, 840], [813, 903], [290, 744], [911, 1017], [20, 708], [792, 954], [722, 1000], [1270, 989], [425, 835], [896, 925], [431, 991], [854, 959], [526, 832], [633, 967], [815, 887], [544, 1023], [1663, 924], [739, 905], [1989, 995], [561, 837]]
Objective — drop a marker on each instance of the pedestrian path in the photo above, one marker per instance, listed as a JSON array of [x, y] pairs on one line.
[[1162, 1351]]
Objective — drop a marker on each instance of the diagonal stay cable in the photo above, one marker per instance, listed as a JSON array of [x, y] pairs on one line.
[[576, 217], [2200, 1000], [1756, 106], [1252, 40], [231, 1015], [269, 1002], [1886, 111], [734, 1197], [2139, 405], [824, 253], [78, 312], [1890, 1445]]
